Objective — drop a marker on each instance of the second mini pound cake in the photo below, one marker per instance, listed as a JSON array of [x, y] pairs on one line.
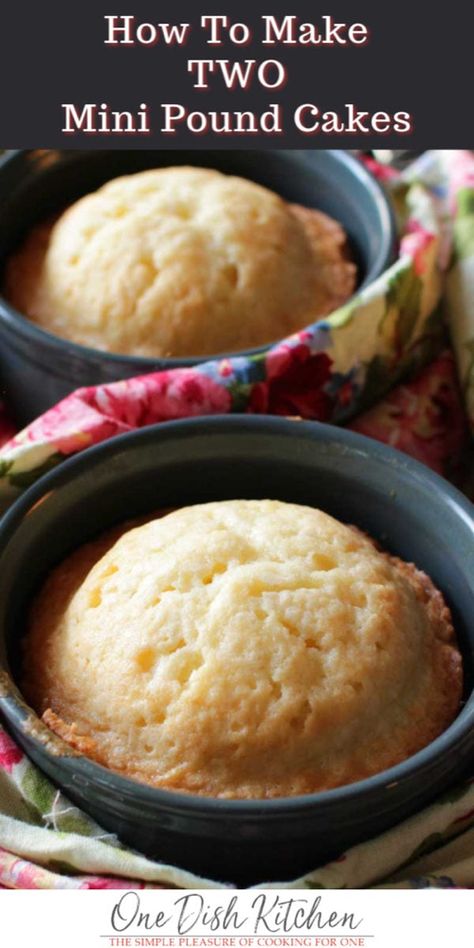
[[242, 649]]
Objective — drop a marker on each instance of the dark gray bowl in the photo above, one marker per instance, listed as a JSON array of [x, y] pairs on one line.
[[36, 368], [411, 511]]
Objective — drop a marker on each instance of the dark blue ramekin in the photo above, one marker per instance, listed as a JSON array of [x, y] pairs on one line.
[[411, 511], [37, 368]]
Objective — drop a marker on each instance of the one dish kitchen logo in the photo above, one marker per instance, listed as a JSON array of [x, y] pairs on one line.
[[246, 920]]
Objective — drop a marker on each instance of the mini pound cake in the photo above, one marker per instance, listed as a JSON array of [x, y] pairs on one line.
[[180, 262], [242, 649]]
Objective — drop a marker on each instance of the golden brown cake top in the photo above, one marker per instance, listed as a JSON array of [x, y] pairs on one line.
[[242, 649], [179, 262]]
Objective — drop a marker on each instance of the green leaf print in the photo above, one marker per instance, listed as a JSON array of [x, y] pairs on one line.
[[14, 804], [384, 373], [463, 239], [239, 392], [427, 846], [465, 203], [54, 811], [463, 230], [38, 791], [469, 377], [5, 467], [404, 295], [63, 868], [343, 315], [23, 479], [257, 360], [377, 381], [73, 821]]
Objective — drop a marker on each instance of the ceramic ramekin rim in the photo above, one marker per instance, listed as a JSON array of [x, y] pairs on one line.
[[30, 332], [409, 769]]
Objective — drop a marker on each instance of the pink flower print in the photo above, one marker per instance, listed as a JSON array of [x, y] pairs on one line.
[[295, 385], [10, 754], [424, 418], [225, 368], [380, 171], [108, 882], [461, 174], [415, 244], [162, 396], [91, 415]]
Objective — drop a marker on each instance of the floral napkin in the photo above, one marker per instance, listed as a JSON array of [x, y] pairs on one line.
[[383, 365]]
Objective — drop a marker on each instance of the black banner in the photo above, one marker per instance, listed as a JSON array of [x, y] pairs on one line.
[[227, 75]]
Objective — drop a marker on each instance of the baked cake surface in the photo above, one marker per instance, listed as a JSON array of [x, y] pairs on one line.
[[180, 261], [242, 649]]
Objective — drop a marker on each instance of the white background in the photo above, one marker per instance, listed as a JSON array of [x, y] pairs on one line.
[[429, 918]]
